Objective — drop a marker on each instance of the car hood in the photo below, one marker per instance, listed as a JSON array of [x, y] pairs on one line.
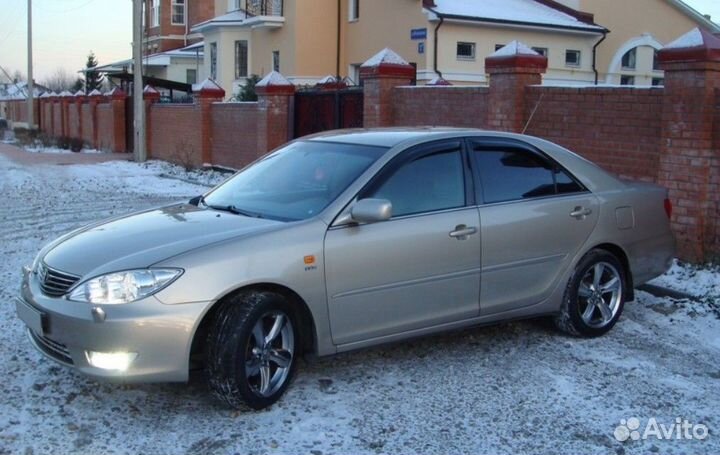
[[143, 239]]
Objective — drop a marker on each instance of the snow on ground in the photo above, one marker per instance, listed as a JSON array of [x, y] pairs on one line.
[[43, 149], [511, 388]]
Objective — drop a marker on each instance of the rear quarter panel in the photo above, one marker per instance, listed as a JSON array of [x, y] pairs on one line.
[[634, 218]]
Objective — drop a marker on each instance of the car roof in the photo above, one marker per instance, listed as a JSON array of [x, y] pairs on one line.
[[387, 137]]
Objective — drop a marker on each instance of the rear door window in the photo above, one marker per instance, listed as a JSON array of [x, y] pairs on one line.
[[513, 174]]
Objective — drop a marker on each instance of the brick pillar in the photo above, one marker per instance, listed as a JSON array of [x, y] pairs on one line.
[[276, 96], [79, 98], [150, 97], [42, 106], [690, 160], [206, 93], [94, 98], [53, 101], [511, 69], [65, 99], [117, 108], [380, 75]]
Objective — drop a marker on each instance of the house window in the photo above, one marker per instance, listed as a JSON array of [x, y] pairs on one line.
[[572, 58], [627, 80], [191, 76], [541, 50], [234, 5], [353, 10], [178, 12], [241, 59], [154, 13], [213, 61], [658, 82], [465, 51], [629, 60], [276, 61]]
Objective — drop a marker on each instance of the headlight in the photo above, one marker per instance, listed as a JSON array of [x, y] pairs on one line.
[[124, 287]]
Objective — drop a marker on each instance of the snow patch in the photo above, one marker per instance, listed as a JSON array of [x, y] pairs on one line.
[[693, 38], [514, 48], [327, 80], [272, 79], [39, 148], [510, 10], [207, 84]]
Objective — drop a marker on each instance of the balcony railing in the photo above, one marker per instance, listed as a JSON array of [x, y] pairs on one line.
[[264, 7]]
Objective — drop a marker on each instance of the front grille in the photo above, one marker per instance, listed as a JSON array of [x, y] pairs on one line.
[[53, 282], [57, 351]]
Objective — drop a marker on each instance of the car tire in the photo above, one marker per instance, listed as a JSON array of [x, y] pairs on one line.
[[594, 297], [251, 350]]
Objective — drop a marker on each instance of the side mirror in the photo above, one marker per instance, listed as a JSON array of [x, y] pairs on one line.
[[371, 210]]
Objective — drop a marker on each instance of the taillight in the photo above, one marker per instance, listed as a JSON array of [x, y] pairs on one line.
[[668, 208]]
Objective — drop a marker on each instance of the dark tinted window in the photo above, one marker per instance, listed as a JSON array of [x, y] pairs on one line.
[[433, 182], [565, 183], [510, 175]]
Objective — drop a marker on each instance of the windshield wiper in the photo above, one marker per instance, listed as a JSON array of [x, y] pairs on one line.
[[232, 209]]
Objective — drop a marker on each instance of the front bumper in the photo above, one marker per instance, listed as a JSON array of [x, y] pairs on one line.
[[65, 331]]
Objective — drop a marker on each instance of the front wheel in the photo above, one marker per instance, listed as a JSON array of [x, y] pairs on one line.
[[594, 297], [251, 350]]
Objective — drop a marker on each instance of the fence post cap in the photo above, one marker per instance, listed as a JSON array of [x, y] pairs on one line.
[[516, 57], [116, 94], [274, 84], [208, 89], [694, 46], [387, 63], [150, 93]]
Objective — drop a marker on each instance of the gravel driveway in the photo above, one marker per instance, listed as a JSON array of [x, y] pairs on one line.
[[513, 388]]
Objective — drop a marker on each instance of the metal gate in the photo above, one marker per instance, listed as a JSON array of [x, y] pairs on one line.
[[322, 109]]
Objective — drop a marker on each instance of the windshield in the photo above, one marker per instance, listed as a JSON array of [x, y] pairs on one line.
[[296, 182]]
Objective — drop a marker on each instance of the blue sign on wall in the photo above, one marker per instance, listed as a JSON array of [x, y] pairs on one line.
[[421, 47], [418, 34]]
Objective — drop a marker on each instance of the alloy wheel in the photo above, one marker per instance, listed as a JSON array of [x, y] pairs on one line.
[[269, 353], [600, 294]]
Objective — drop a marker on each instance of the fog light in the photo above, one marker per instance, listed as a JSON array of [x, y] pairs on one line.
[[117, 361]]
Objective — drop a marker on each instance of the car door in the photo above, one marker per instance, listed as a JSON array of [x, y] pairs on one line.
[[418, 269], [534, 216]]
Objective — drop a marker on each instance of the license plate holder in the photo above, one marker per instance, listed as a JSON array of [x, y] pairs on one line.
[[30, 316]]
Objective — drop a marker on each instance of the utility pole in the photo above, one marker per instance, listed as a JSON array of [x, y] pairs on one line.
[[138, 104], [30, 91]]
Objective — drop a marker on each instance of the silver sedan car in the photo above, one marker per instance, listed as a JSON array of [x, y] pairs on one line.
[[342, 241]]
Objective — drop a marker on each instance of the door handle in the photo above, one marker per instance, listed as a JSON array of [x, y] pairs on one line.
[[580, 213], [462, 232]]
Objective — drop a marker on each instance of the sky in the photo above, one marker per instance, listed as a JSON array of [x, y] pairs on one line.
[[65, 31]]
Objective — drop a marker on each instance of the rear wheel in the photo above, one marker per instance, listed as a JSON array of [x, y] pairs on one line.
[[251, 350], [594, 297]]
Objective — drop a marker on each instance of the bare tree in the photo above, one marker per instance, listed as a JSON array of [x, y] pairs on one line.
[[60, 80], [10, 76]]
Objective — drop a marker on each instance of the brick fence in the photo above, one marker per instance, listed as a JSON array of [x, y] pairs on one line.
[[617, 128], [667, 135]]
